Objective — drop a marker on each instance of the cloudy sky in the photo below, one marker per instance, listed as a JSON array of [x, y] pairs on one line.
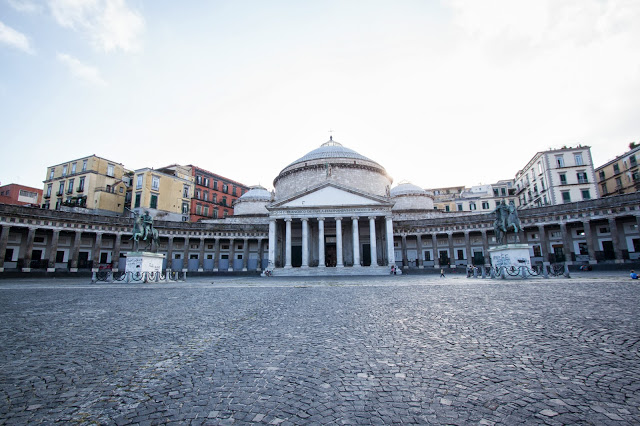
[[440, 93]]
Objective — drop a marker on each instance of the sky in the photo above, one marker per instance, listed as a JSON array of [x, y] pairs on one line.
[[439, 92]]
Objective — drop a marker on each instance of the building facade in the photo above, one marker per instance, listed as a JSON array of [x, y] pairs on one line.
[[332, 212], [214, 195], [93, 184], [20, 195], [620, 175], [475, 199], [557, 176], [165, 193]]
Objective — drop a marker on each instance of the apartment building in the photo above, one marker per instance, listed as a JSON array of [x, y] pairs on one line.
[[557, 176], [214, 195], [166, 192], [91, 183], [20, 195], [620, 175], [475, 199]]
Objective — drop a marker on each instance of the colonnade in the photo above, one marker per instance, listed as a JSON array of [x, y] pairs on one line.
[[337, 227]]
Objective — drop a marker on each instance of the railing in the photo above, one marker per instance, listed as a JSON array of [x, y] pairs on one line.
[[138, 277]]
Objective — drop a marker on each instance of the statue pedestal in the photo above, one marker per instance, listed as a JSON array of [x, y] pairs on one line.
[[510, 255], [142, 261]]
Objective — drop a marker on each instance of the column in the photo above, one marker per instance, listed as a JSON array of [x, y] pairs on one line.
[[405, 260], [75, 250], [55, 236], [260, 254], [436, 255], [391, 254], [245, 255], [232, 254], [544, 245], [95, 253], [339, 262], [452, 255], [272, 244], [201, 256], [115, 255], [420, 261], [589, 237], [26, 267], [372, 239], [356, 242], [4, 238], [615, 237], [287, 239], [216, 254], [485, 247], [566, 243], [305, 242], [321, 257], [185, 255], [170, 253], [467, 246]]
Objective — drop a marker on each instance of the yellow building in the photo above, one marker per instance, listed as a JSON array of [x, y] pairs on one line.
[[166, 193], [92, 183], [620, 175]]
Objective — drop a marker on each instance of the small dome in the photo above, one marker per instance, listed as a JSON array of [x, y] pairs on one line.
[[407, 188], [256, 193]]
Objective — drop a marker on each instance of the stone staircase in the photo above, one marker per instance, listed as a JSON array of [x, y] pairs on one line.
[[331, 272]]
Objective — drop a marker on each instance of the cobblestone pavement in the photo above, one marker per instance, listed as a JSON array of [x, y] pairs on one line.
[[409, 349]]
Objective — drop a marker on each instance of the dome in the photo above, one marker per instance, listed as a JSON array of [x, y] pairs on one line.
[[330, 149], [256, 193], [407, 188], [335, 164]]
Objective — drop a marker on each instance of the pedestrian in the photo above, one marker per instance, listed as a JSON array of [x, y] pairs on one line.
[[442, 273], [633, 275]]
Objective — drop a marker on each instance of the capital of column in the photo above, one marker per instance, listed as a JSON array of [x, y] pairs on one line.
[[304, 219], [354, 217], [372, 217], [288, 219], [339, 218], [321, 219]]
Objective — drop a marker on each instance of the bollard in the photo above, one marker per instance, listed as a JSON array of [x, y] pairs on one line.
[[503, 273], [523, 272]]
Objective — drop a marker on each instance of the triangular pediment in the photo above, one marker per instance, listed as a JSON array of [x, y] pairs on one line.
[[331, 195]]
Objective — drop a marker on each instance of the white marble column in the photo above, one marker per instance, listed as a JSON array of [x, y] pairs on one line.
[[305, 242], [287, 249], [321, 258], [390, 250], [272, 244], [339, 262], [372, 238], [356, 242]]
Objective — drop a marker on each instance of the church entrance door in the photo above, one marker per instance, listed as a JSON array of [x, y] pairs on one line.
[[330, 255], [366, 254]]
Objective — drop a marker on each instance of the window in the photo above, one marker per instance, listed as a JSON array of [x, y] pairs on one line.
[[616, 168], [215, 198], [539, 168], [586, 195], [460, 254], [446, 208], [604, 189], [138, 198], [205, 195], [61, 188], [197, 194], [70, 186], [580, 232], [601, 174], [563, 179], [199, 210], [583, 248], [225, 188], [155, 183], [459, 207], [224, 201], [560, 160], [485, 205], [618, 183], [503, 192], [566, 197], [215, 213], [206, 182], [225, 214], [541, 184], [64, 170], [153, 203], [198, 180], [81, 184], [535, 188], [233, 192], [536, 251], [205, 212], [632, 161], [215, 185], [578, 158], [139, 182], [582, 177], [495, 192], [73, 168], [49, 187], [110, 170], [427, 256], [185, 191], [635, 177], [472, 206], [545, 200], [185, 208], [84, 165]]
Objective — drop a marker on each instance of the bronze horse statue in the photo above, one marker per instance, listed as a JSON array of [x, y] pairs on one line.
[[506, 219], [144, 231]]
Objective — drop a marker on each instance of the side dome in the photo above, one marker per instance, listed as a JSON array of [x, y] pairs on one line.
[[408, 196], [334, 163], [252, 202]]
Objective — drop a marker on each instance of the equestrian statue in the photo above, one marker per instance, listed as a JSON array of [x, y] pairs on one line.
[[506, 219], [143, 229]]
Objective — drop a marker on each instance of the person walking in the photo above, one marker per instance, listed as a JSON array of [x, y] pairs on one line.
[[442, 273]]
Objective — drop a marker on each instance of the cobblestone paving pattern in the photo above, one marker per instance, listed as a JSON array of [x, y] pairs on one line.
[[384, 350]]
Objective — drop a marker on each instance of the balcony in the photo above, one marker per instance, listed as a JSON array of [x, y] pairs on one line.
[[581, 180], [80, 189]]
